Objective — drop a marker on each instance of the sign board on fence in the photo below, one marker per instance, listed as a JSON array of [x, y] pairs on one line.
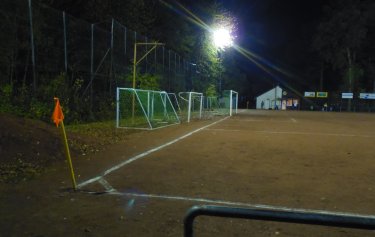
[[347, 95], [367, 96], [322, 94], [309, 94]]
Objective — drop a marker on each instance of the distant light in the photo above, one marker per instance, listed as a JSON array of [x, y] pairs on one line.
[[222, 38]]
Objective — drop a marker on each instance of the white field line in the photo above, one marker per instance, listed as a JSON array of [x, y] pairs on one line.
[[293, 120], [318, 134], [134, 158], [223, 130], [106, 185], [262, 120], [293, 133], [230, 203]]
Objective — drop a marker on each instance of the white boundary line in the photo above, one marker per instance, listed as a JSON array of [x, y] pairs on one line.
[[263, 120], [222, 202], [293, 133], [106, 185], [134, 158], [223, 130], [317, 134]]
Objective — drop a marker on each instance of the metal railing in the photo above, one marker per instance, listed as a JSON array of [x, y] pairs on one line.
[[330, 219]]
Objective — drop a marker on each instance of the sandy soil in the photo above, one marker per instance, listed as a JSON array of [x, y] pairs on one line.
[[309, 160]]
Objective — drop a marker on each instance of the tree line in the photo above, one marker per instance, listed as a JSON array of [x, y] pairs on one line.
[[344, 45], [31, 76], [340, 53]]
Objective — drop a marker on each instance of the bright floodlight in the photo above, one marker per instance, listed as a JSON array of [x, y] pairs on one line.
[[222, 38]]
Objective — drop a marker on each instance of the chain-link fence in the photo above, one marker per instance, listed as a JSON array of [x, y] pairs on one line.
[[45, 52]]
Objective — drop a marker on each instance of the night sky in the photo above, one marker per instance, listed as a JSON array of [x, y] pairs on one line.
[[280, 32]]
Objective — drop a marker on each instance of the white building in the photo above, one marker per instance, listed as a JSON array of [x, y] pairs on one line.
[[270, 99]]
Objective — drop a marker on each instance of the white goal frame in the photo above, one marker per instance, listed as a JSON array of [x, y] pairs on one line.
[[189, 100], [147, 111], [173, 98], [233, 103]]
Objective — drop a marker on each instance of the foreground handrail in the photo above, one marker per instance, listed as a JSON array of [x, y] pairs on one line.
[[302, 217]]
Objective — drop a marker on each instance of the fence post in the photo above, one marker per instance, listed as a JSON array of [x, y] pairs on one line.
[[169, 70], [146, 54], [175, 65], [65, 46], [92, 67], [164, 58], [111, 66], [125, 32], [32, 45], [135, 41], [183, 66], [155, 62]]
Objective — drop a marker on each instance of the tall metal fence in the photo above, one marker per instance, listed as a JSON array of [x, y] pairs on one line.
[[42, 49]]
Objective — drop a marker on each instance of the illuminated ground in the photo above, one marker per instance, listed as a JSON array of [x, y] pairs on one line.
[[309, 160]]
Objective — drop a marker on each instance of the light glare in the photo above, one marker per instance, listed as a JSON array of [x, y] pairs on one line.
[[222, 38]]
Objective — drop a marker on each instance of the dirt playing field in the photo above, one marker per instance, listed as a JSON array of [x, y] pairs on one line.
[[144, 185]]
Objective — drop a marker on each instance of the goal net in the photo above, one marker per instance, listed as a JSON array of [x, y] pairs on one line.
[[225, 105], [231, 101], [176, 105], [191, 105], [144, 109]]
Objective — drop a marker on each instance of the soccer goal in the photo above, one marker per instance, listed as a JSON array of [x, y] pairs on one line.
[[191, 105], [225, 105], [144, 109], [176, 105], [229, 102], [233, 102], [211, 103]]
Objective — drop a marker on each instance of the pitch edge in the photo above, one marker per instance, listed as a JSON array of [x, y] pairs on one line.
[[142, 155]]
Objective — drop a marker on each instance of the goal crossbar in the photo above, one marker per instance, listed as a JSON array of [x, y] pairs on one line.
[[144, 109]]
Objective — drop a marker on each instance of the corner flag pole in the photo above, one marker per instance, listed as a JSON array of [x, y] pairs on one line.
[[58, 118]]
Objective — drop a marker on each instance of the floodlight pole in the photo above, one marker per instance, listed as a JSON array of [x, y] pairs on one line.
[[135, 63]]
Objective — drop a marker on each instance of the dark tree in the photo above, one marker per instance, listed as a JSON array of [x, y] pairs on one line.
[[341, 41]]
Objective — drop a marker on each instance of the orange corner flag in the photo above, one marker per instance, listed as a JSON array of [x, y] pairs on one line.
[[57, 115]]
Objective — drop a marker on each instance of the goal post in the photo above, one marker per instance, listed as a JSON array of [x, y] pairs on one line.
[[191, 105], [233, 102], [173, 98], [144, 109], [230, 102]]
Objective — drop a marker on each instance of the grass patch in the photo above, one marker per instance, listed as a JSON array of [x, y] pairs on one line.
[[105, 132]]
